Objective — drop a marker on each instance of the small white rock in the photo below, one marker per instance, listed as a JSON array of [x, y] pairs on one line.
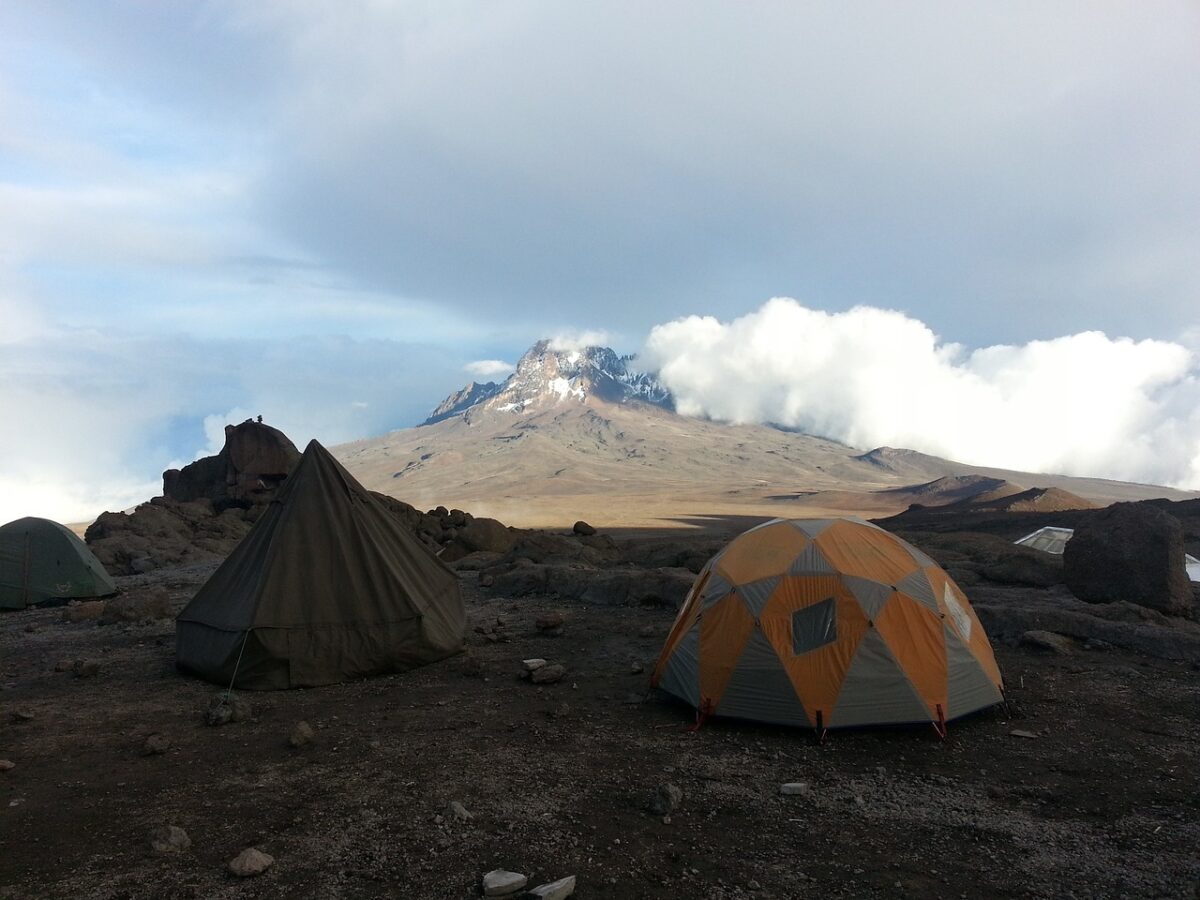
[[501, 883], [7, 765], [532, 665], [456, 812], [794, 789], [555, 890], [250, 862], [169, 839]]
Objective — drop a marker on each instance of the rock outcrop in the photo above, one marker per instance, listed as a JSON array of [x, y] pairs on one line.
[[253, 463], [208, 506]]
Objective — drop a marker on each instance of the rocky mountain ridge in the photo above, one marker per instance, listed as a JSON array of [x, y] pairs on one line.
[[547, 375]]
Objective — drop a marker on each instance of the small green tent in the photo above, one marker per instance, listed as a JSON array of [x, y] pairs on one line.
[[42, 560], [327, 586]]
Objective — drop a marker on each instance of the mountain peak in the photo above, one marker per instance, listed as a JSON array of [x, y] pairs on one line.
[[547, 375]]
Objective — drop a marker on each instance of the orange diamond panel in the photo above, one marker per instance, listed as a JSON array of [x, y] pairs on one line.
[[856, 549], [914, 635], [761, 553], [724, 630]]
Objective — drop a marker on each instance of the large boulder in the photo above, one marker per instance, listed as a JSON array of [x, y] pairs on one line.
[[485, 534], [1132, 552]]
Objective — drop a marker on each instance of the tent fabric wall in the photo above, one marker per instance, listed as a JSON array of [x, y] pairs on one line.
[[833, 622], [42, 560], [327, 586]]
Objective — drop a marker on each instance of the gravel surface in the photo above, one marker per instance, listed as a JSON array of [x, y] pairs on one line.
[[557, 779]]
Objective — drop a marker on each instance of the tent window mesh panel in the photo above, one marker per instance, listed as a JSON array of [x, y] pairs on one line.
[[814, 626]]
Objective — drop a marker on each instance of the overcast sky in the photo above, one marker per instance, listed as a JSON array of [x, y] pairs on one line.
[[334, 213]]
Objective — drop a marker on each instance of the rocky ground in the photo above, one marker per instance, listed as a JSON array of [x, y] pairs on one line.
[[1087, 788]]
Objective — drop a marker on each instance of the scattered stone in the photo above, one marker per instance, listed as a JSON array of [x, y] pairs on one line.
[[548, 674], [665, 799], [21, 715], [169, 839], [636, 668], [583, 528], [1021, 733], [156, 745], [487, 580], [85, 668], [227, 708], [532, 665], [301, 735], [555, 890], [794, 789], [550, 624], [250, 862], [1048, 641], [456, 812], [87, 611], [7, 765], [500, 883], [491, 633]]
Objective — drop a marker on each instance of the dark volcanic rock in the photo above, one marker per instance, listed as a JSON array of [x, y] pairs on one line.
[[255, 460], [971, 556], [485, 534], [543, 547], [596, 587], [1133, 552], [165, 532]]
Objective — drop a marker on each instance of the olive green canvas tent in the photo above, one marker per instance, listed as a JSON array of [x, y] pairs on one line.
[[41, 560], [327, 586]]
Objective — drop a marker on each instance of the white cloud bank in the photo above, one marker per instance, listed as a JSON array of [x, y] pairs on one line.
[[1083, 404]]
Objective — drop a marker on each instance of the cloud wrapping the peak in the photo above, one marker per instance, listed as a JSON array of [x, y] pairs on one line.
[[579, 339], [489, 368], [1080, 404]]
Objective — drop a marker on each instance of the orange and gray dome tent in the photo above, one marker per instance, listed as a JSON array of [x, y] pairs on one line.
[[41, 560], [828, 623], [327, 586]]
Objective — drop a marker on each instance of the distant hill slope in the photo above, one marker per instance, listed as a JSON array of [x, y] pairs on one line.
[[583, 434]]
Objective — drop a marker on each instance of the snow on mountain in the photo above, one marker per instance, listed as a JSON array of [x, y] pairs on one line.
[[545, 376]]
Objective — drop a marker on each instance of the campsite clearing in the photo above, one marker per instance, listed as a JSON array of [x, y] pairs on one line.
[[556, 778]]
